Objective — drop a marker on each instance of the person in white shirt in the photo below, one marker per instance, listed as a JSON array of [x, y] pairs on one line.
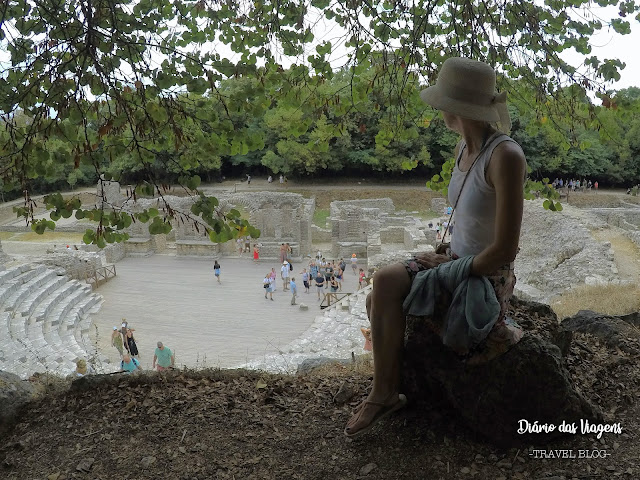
[[284, 274]]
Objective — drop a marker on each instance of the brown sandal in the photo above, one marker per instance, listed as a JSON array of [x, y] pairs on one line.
[[383, 412]]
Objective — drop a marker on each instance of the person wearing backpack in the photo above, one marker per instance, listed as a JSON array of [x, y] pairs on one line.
[[129, 364]]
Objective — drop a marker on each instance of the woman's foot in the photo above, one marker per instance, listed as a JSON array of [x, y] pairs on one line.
[[370, 412]]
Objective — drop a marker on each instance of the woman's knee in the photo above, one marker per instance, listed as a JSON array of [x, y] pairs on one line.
[[391, 280]]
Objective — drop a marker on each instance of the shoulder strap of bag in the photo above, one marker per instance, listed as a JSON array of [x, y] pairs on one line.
[[485, 144]]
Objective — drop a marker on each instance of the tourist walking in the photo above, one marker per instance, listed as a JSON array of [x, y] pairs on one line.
[[313, 270], [319, 284], [216, 270], [487, 192], [272, 285], [362, 282], [124, 327], [132, 348], [116, 340], [284, 274], [163, 358], [128, 364], [338, 274], [354, 263], [342, 264], [266, 284], [272, 277], [305, 279], [256, 253], [322, 268], [328, 273], [333, 286], [294, 290]]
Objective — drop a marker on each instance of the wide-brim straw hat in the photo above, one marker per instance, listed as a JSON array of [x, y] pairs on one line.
[[467, 88]]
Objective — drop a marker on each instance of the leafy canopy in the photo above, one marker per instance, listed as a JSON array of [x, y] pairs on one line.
[[85, 82]]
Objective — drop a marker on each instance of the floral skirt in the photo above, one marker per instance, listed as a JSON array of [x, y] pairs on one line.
[[504, 334]]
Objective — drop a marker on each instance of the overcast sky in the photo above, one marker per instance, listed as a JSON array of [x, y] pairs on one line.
[[606, 44], [623, 47]]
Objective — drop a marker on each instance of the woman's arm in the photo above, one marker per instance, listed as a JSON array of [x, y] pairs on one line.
[[506, 173]]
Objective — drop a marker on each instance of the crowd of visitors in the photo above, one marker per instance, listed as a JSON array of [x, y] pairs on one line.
[[327, 276], [123, 340], [575, 184]]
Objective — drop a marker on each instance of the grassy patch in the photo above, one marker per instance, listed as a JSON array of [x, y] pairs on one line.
[[407, 199], [49, 237], [608, 299], [320, 216], [602, 199], [6, 235], [362, 364], [429, 214]]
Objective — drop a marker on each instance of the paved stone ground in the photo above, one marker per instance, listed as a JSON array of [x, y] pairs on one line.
[[176, 300]]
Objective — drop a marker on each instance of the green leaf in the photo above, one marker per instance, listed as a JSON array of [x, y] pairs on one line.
[[89, 236]]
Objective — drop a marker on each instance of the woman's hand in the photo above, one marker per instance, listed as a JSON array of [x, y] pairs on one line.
[[431, 260]]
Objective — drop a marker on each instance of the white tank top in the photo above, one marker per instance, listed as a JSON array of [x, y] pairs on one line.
[[475, 213]]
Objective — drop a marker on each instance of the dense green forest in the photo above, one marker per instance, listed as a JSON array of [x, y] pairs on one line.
[[600, 142], [153, 92]]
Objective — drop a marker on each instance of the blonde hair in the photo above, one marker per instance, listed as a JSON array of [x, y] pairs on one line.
[[81, 366]]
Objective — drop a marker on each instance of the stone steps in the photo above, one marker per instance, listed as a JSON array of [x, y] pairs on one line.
[[14, 282], [45, 307], [30, 303], [10, 273], [41, 275], [45, 320]]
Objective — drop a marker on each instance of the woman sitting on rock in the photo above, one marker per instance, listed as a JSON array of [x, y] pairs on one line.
[[486, 191]]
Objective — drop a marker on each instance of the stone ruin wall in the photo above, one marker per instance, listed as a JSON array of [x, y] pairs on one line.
[[108, 194], [280, 217], [383, 204], [364, 226], [558, 252], [74, 263], [627, 219]]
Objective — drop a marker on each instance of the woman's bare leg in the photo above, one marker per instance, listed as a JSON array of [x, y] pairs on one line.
[[390, 287]]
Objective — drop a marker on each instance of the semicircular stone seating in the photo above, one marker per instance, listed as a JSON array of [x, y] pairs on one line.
[[45, 320]]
